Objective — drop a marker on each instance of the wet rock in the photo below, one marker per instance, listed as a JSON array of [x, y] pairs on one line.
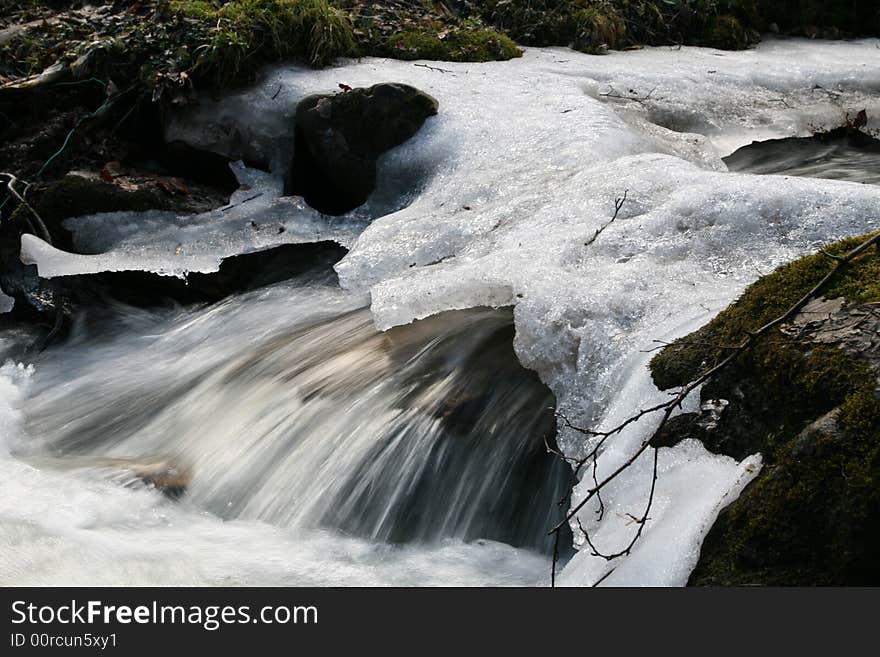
[[165, 476], [698, 426], [676, 429], [340, 137]]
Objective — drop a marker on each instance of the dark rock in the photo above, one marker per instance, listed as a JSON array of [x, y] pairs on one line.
[[853, 328], [677, 429], [236, 274], [340, 137], [203, 166], [806, 397], [167, 477], [811, 518]]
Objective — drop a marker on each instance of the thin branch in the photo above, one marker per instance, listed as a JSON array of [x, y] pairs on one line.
[[618, 204], [10, 185], [661, 344], [603, 578], [434, 68], [555, 559], [634, 97]]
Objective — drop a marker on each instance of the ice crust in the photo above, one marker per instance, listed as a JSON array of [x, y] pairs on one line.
[[256, 218], [508, 186]]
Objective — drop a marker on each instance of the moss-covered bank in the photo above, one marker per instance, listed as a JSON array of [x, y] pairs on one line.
[[226, 42], [812, 410]]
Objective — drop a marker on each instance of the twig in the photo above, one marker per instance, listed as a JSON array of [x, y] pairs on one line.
[[10, 185], [635, 97], [618, 204], [434, 68], [555, 559], [661, 344], [603, 578]]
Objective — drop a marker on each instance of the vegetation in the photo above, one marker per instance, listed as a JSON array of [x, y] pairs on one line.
[[764, 300], [591, 24], [462, 45], [813, 515], [237, 34], [225, 42]]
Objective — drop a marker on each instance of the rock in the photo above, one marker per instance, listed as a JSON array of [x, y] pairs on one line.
[[806, 397], [853, 328], [698, 426], [813, 518], [168, 478], [678, 428], [200, 165], [340, 137]]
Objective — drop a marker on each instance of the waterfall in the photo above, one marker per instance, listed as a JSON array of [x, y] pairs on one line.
[[312, 419]]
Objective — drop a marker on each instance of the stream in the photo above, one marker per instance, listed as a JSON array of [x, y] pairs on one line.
[[385, 419]]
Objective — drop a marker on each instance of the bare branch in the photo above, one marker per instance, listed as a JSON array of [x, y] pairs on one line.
[[618, 204], [634, 96], [10, 185], [434, 68]]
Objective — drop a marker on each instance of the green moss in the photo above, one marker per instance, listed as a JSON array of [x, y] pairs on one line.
[[239, 36], [860, 413], [587, 24], [197, 9], [414, 45], [763, 301], [463, 45], [226, 42], [813, 516]]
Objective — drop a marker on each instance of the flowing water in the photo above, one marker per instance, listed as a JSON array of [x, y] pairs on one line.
[[286, 407], [839, 156]]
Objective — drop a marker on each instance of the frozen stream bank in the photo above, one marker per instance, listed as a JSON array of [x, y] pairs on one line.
[[503, 191]]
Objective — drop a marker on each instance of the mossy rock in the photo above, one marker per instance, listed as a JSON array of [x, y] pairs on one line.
[[464, 45], [813, 411], [813, 517], [764, 300]]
